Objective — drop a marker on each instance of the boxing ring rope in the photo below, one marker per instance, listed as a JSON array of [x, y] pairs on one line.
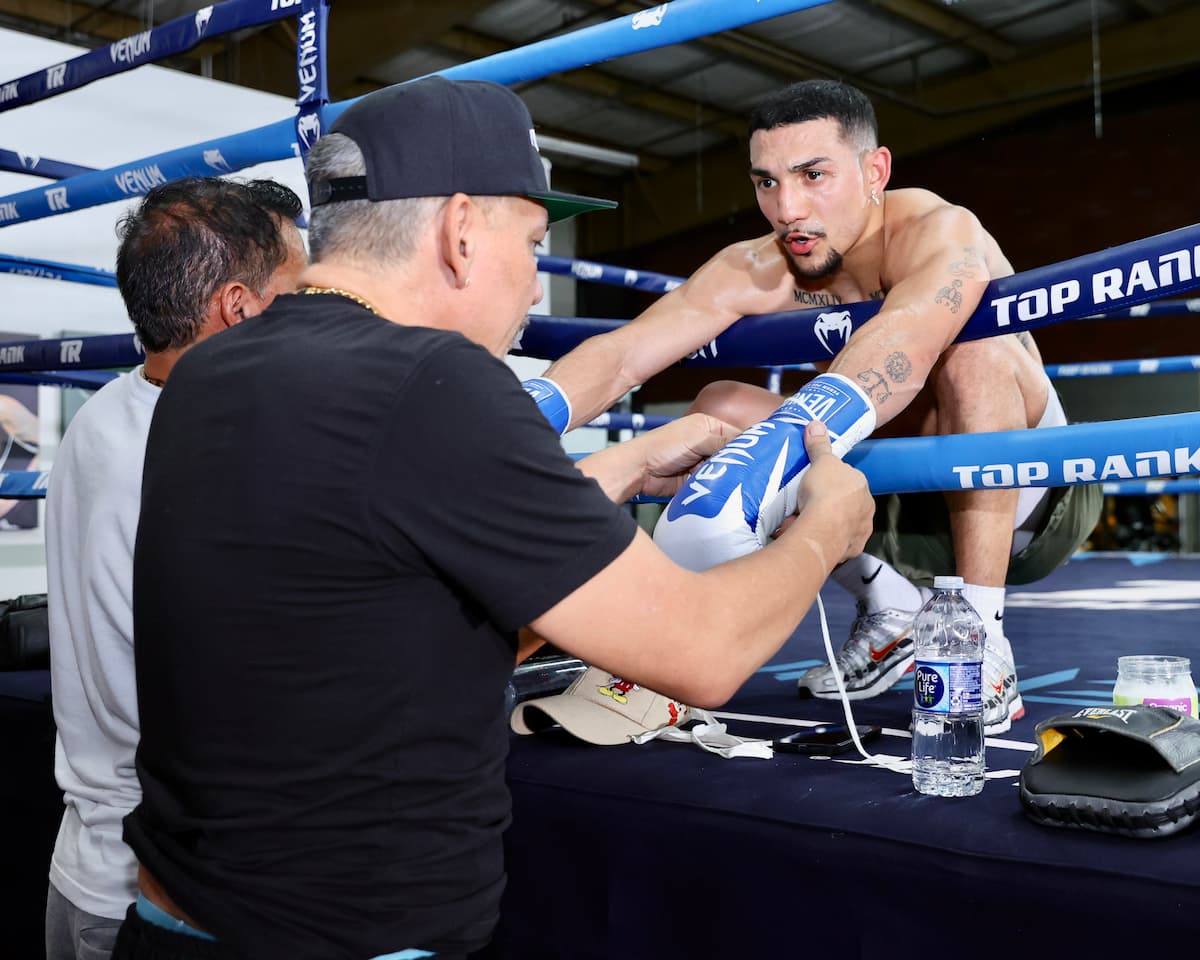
[[1151, 487], [166, 40], [50, 270], [592, 272], [665, 25], [13, 161], [1123, 368], [82, 379], [1115, 278], [1038, 297], [1078, 289], [1139, 449], [618, 420], [1147, 448]]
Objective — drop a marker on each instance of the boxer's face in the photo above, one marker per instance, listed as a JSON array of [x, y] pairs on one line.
[[812, 186]]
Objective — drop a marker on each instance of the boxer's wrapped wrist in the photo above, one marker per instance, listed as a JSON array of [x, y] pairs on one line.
[[733, 502], [553, 403]]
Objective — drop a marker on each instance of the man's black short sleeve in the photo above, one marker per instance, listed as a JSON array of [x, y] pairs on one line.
[[500, 510]]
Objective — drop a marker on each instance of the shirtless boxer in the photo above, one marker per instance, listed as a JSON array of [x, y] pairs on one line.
[[839, 236]]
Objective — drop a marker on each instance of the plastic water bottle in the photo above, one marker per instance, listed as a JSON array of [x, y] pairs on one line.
[[948, 694]]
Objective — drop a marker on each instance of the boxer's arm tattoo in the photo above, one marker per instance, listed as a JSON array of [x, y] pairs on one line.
[[898, 367], [969, 266], [875, 385], [951, 296]]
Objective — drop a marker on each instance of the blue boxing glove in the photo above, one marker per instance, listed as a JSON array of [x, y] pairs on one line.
[[551, 401], [737, 498]]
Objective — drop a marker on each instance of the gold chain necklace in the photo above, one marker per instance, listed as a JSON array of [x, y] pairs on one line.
[[154, 380], [339, 292]]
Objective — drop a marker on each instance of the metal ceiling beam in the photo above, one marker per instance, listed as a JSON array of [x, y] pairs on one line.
[[61, 15], [263, 55], [948, 113], [364, 33], [744, 47], [607, 86], [947, 25], [1132, 51], [1149, 7], [56, 19]]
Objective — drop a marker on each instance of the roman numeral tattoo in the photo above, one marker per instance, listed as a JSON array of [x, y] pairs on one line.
[[816, 299]]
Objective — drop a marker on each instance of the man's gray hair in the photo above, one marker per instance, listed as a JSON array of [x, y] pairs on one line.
[[361, 231]]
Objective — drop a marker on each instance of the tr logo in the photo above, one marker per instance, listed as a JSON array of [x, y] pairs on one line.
[[56, 198]]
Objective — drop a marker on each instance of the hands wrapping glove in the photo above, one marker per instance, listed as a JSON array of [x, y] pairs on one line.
[[734, 502]]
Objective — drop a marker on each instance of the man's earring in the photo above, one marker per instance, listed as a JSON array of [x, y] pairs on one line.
[[875, 199]]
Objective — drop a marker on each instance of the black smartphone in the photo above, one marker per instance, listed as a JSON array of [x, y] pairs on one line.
[[825, 739]]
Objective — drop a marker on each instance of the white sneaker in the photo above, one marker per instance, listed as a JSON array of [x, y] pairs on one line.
[[878, 652], [1002, 702]]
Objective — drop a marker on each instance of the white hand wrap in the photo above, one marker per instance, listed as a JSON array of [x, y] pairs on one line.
[[551, 401], [736, 499]]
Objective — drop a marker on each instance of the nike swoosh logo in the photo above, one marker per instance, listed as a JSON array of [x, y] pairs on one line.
[[872, 577], [999, 616], [882, 652]]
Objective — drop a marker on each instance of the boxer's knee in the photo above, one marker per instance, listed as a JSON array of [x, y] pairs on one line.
[[981, 386], [739, 404], [967, 368]]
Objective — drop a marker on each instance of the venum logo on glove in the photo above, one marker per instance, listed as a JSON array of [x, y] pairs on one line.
[[732, 504]]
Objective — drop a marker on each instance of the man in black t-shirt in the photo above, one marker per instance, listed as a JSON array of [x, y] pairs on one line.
[[349, 508]]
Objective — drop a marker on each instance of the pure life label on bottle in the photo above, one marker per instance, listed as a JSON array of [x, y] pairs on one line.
[[948, 687]]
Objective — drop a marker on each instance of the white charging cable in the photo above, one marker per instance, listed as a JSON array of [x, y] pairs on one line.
[[895, 764]]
